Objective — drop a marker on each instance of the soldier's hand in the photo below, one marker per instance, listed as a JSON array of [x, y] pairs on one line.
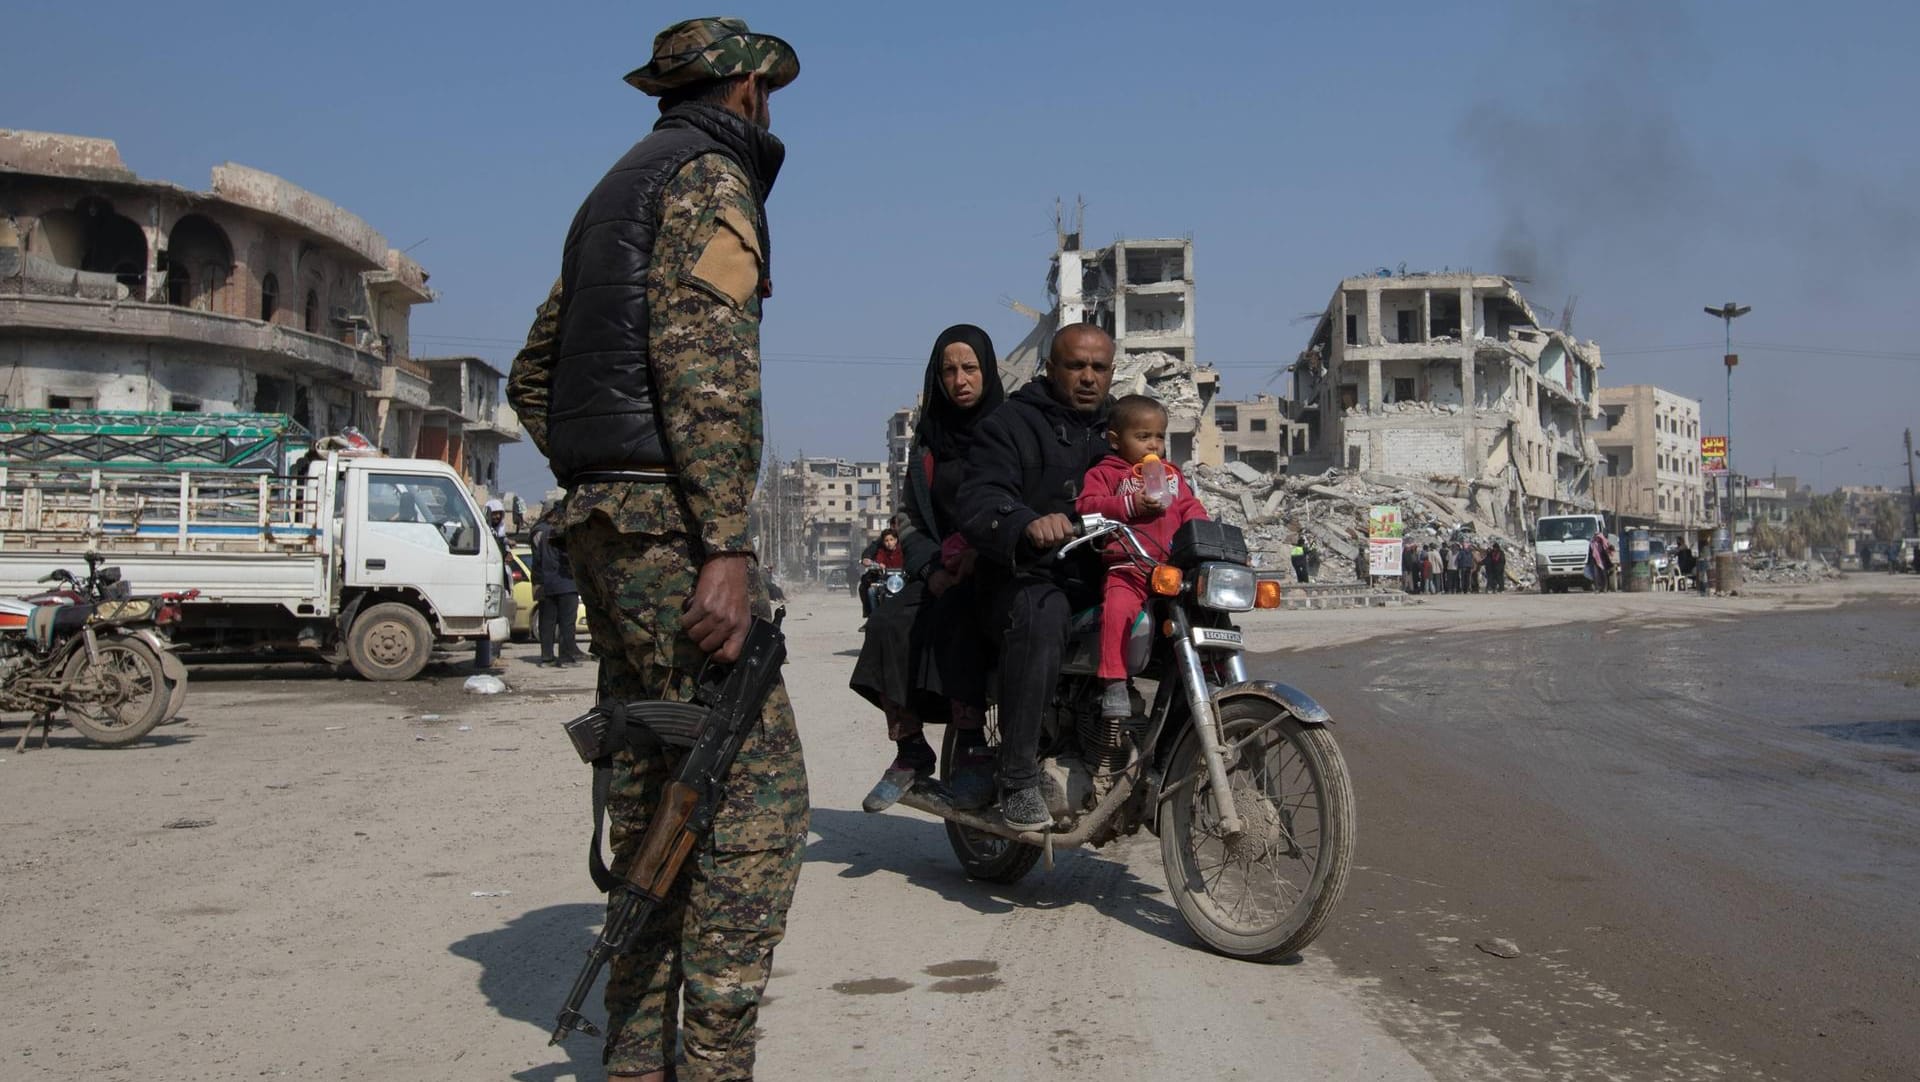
[[717, 614], [1049, 531]]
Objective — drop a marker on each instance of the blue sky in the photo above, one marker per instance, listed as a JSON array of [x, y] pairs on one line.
[[1649, 159]]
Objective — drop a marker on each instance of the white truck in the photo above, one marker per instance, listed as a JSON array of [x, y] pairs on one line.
[[1560, 550], [369, 560]]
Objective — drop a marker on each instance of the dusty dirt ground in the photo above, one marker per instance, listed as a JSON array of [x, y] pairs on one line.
[[311, 877]]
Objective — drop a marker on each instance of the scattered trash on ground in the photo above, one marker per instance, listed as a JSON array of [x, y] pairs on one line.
[[466, 728], [490, 893], [482, 684], [186, 824]]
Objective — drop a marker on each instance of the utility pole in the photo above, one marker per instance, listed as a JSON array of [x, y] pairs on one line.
[[1727, 313], [1913, 504]]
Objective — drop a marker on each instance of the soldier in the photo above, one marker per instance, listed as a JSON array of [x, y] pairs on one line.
[[640, 382]]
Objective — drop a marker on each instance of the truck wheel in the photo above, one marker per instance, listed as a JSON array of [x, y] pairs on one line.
[[390, 641]]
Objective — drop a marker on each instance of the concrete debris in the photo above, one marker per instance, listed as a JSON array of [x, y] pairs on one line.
[[1330, 511], [1164, 376], [1767, 572], [1499, 948]]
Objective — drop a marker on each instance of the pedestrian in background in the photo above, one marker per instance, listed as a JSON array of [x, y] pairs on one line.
[[559, 603], [640, 382]]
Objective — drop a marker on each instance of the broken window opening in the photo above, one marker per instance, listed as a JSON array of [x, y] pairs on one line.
[[1257, 424], [182, 404], [269, 297], [310, 320], [270, 395], [69, 402], [1403, 321], [1443, 316], [1349, 395], [198, 250], [1403, 389], [1353, 329]]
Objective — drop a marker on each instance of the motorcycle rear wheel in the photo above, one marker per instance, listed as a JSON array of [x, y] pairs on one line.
[[1270, 892], [143, 700], [984, 856]]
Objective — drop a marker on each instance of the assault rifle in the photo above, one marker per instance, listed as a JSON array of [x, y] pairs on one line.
[[714, 724]]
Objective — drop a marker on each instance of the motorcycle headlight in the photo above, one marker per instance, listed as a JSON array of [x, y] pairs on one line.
[[1224, 587], [495, 595]]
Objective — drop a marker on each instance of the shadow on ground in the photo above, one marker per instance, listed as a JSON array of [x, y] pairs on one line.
[[526, 969], [917, 851]]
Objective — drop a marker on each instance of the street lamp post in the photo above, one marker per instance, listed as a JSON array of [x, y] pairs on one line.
[[1821, 458], [1727, 313]]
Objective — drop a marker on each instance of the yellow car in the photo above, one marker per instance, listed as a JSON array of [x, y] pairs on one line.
[[526, 621]]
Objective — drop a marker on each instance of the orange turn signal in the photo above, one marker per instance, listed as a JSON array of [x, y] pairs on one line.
[[1266, 594], [1166, 581]]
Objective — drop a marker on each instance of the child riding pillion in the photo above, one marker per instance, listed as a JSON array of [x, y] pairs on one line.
[[1137, 486]]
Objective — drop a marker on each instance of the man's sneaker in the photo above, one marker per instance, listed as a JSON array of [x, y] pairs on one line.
[[1026, 809], [971, 785]]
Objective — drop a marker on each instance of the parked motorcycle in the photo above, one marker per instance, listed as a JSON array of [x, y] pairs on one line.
[[1240, 778], [90, 648]]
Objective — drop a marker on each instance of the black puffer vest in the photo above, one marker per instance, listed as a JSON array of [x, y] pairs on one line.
[[601, 416]]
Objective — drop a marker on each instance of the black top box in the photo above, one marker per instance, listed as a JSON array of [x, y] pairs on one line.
[[1200, 540]]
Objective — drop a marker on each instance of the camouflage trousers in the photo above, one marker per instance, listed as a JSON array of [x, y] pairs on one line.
[[697, 971]]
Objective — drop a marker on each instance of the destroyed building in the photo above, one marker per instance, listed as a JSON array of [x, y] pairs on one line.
[[1649, 440], [1449, 375], [119, 292], [1141, 292]]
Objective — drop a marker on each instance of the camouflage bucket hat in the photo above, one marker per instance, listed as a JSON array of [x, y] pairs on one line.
[[714, 48]]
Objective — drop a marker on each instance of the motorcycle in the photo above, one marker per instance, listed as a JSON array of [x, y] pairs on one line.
[[884, 581], [1239, 778], [90, 648]]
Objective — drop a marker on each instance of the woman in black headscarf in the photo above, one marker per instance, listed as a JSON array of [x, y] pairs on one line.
[[903, 669]]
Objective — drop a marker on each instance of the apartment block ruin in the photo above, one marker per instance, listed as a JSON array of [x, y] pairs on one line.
[[812, 516], [1649, 442], [1142, 293], [1257, 431], [124, 293], [1451, 376]]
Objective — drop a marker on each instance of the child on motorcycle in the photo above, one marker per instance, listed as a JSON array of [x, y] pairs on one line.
[[1120, 487]]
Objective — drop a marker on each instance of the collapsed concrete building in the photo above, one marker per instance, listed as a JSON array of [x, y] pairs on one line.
[[119, 292], [1449, 376], [1141, 292]]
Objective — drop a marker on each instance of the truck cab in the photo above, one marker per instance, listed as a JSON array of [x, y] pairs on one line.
[[1560, 550]]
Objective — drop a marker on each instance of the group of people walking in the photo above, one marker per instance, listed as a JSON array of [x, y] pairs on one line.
[[1453, 567]]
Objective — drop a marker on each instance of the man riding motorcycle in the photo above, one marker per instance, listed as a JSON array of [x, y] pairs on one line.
[[1025, 470]]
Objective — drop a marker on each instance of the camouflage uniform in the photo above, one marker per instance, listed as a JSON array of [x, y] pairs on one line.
[[636, 550]]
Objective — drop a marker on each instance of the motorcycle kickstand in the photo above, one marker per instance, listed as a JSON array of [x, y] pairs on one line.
[[45, 722]]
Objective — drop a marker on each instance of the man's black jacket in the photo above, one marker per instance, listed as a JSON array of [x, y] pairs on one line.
[[1028, 460]]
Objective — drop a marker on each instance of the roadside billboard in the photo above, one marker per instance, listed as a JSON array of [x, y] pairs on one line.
[[1384, 531], [1713, 456]]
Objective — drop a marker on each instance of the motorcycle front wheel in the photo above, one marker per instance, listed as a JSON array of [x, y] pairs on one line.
[[984, 856], [1265, 893], [134, 688]]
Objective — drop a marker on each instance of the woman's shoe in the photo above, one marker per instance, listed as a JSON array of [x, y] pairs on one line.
[[891, 787]]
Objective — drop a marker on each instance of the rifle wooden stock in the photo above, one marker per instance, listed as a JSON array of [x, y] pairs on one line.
[[667, 843]]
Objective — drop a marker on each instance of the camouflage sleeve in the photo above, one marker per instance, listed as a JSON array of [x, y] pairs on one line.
[[530, 381], [703, 290]]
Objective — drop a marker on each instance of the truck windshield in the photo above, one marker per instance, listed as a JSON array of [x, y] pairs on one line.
[[1566, 529], [398, 497]]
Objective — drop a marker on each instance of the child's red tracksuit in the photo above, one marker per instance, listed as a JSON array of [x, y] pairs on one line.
[[1110, 489]]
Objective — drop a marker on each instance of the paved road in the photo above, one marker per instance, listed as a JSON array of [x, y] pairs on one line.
[[1704, 836], [316, 878]]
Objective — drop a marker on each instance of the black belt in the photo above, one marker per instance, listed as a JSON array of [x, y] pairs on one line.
[[645, 477]]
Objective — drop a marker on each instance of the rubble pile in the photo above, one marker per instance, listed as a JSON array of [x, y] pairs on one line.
[[1770, 572], [1330, 509], [1163, 376]]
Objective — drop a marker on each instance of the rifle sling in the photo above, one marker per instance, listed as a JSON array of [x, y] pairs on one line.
[[640, 727]]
